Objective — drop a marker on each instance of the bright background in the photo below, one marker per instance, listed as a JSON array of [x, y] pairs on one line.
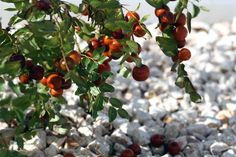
[[219, 10]]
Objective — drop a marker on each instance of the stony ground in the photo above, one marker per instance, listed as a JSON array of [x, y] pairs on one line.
[[158, 106]]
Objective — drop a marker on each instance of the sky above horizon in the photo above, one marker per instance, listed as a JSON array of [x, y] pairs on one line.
[[217, 10]]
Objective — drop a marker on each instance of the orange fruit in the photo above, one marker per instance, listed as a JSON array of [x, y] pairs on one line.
[[56, 92], [54, 81], [75, 56]]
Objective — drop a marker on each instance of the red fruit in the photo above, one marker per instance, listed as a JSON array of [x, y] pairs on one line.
[[24, 78], [184, 54], [180, 33], [94, 43], [181, 44], [132, 15], [19, 58], [118, 34], [157, 140], [44, 81], [107, 40], [42, 5], [66, 84], [127, 153], [139, 30], [68, 154], [105, 67], [115, 46], [174, 148], [181, 21], [77, 28], [56, 93], [69, 62], [89, 54], [75, 56], [29, 64], [54, 81], [161, 11], [135, 148], [140, 73], [167, 18], [37, 72]]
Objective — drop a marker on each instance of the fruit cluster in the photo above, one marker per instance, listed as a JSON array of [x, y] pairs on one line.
[[177, 23], [54, 80], [156, 140], [173, 148]]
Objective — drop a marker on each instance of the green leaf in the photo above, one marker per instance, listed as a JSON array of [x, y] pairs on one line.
[[189, 86], [196, 11], [112, 113], [105, 4], [189, 19], [123, 113], [105, 87], [116, 102], [132, 45], [157, 3], [20, 142], [22, 102], [125, 72], [195, 97], [180, 82], [181, 71], [75, 9], [98, 104], [167, 45]]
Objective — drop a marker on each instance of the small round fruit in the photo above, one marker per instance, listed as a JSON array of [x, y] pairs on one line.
[[18, 57], [94, 43], [105, 67], [118, 34], [184, 54], [180, 33], [181, 21], [69, 62], [29, 64], [167, 18], [56, 92], [24, 78], [77, 28], [75, 56], [157, 140], [135, 148], [66, 84], [132, 15], [181, 44], [89, 54], [115, 46], [140, 73], [161, 11], [42, 5], [127, 153], [44, 81], [37, 72], [107, 40], [139, 30], [54, 81], [68, 154], [174, 148]]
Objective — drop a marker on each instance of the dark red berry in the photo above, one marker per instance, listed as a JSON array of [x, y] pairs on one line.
[[174, 148], [157, 140], [135, 148], [127, 153]]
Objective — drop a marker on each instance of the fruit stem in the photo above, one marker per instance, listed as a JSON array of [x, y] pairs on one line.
[[61, 44]]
